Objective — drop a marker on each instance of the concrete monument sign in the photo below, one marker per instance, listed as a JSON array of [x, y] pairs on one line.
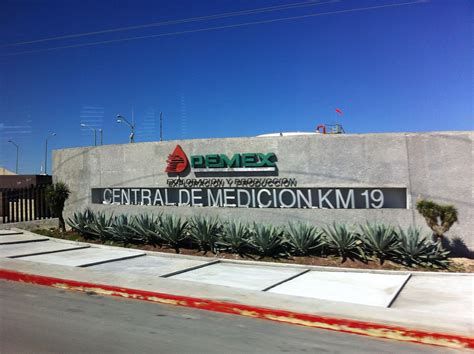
[[348, 178]]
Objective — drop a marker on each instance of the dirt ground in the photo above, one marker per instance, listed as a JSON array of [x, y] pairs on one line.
[[457, 264]]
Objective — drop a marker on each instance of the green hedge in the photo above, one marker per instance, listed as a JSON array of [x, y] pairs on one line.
[[371, 241]]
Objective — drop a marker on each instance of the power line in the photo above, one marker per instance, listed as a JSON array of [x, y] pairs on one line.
[[180, 21], [216, 28]]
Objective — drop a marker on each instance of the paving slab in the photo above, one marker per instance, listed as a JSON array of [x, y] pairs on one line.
[[357, 288], [239, 276], [8, 239], [9, 232], [35, 248], [83, 257], [149, 265], [444, 294]]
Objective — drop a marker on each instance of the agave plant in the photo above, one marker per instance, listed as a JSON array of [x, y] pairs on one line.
[[416, 249], [100, 227], [204, 231], [81, 222], [234, 237], [303, 239], [380, 240], [343, 242], [172, 230], [267, 241], [122, 230], [147, 226]]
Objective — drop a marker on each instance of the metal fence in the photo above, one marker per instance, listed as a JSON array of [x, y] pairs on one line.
[[24, 204]]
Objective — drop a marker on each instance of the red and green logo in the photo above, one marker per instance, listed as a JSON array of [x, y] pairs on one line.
[[245, 162], [177, 161]]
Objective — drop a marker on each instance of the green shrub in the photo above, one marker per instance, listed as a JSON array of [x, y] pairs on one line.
[[416, 249], [172, 230], [203, 231], [303, 239], [380, 240], [343, 242], [439, 217], [234, 237], [267, 241], [56, 195]]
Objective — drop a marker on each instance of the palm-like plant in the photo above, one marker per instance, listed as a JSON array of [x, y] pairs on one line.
[[380, 240], [234, 237], [172, 230], [343, 241], [56, 195], [439, 217], [303, 239], [416, 249], [267, 241], [204, 231]]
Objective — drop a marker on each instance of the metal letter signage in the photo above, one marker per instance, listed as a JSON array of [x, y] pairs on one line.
[[302, 198], [265, 189]]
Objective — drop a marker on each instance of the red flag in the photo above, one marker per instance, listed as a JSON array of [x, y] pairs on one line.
[[339, 111]]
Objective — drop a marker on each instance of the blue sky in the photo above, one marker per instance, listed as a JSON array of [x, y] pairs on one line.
[[406, 67]]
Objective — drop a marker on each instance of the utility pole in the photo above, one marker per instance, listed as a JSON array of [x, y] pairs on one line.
[[93, 129], [46, 153], [161, 126], [17, 148]]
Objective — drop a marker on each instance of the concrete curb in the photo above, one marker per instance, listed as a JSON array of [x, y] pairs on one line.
[[335, 324]]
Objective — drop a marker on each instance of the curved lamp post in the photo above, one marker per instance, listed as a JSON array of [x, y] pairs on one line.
[[17, 148], [121, 119], [93, 129], [46, 152]]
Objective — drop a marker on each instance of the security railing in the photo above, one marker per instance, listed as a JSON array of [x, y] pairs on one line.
[[24, 204]]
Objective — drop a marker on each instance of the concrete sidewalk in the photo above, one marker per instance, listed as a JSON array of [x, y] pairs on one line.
[[433, 302]]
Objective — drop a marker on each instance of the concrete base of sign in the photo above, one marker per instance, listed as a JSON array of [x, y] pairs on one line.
[[36, 248], [149, 265], [239, 276], [84, 257], [357, 288], [447, 293], [19, 238]]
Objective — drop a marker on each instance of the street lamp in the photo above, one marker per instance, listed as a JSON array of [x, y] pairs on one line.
[[46, 152], [121, 119], [93, 129], [100, 132], [17, 148]]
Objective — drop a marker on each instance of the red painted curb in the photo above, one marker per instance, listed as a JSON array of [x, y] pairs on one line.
[[335, 324]]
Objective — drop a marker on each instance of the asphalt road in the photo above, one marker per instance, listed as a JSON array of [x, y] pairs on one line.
[[39, 319]]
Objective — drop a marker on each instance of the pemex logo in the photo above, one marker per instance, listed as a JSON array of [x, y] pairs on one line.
[[177, 161]]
